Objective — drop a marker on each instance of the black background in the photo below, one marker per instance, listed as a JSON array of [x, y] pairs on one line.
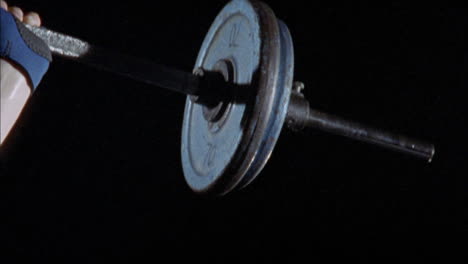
[[92, 169]]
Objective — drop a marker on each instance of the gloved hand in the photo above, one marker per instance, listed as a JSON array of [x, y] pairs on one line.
[[24, 59]]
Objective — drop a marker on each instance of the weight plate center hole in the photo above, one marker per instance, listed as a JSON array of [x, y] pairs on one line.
[[217, 114]]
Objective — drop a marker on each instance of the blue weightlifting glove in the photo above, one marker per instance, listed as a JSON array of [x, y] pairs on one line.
[[20, 45]]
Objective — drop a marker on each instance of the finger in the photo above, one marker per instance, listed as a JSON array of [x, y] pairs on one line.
[[33, 19], [17, 12], [3, 5]]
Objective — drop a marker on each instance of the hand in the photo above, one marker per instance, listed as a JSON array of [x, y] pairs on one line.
[[14, 84], [31, 18]]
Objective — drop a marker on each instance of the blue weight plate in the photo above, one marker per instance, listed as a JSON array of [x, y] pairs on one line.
[[225, 146]]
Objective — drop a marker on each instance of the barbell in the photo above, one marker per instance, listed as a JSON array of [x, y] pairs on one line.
[[239, 96]]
